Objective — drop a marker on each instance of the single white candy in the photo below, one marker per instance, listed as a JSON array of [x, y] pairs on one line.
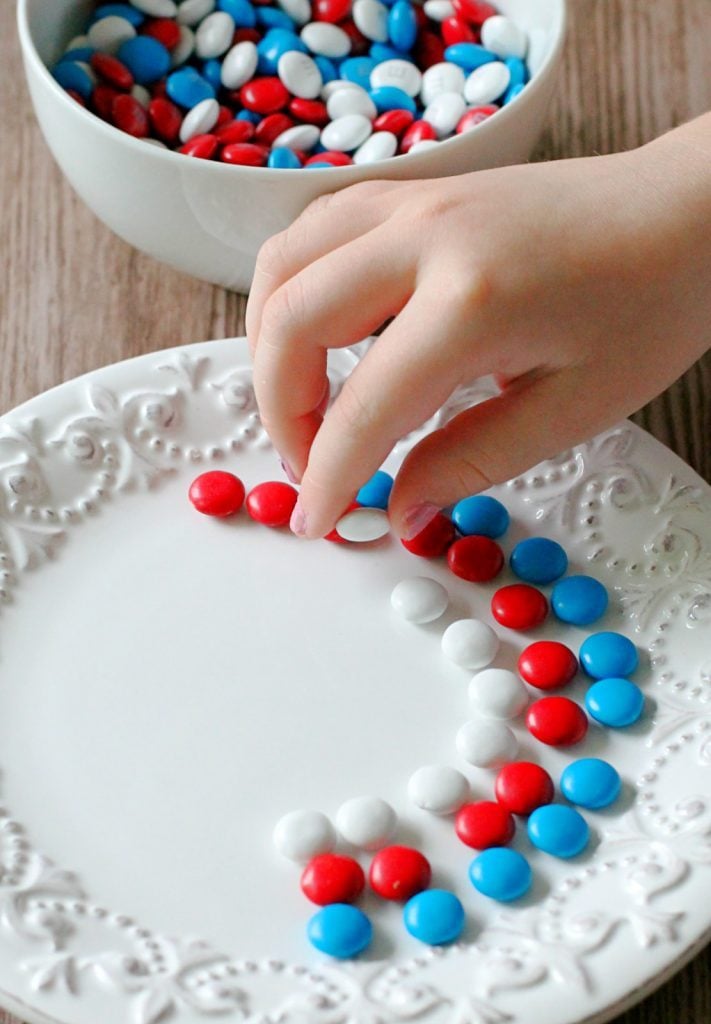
[[439, 789], [200, 119], [239, 65], [191, 12], [141, 95], [326, 40], [346, 133], [87, 69], [156, 143], [298, 10], [362, 525], [444, 112], [78, 42], [301, 136], [107, 34], [419, 599], [300, 74], [366, 822], [443, 77], [504, 37], [487, 83], [423, 144], [380, 146], [214, 35], [400, 73], [350, 101], [486, 744], [371, 19], [439, 10], [184, 47], [470, 643], [497, 693], [156, 8], [335, 85], [301, 835]]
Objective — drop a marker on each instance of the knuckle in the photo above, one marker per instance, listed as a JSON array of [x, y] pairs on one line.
[[355, 414], [272, 255], [282, 309]]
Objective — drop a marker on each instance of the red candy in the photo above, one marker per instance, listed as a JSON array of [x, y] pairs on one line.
[[201, 146], [234, 131], [434, 539], [456, 31], [417, 131], [310, 111], [271, 128], [224, 116], [547, 664], [359, 43], [484, 824], [519, 606], [395, 121], [77, 97], [165, 30], [128, 115], [217, 493], [244, 153], [429, 50], [102, 100], [522, 786], [557, 721], [165, 119], [474, 558], [264, 95], [246, 35], [332, 157], [474, 11], [330, 10], [271, 503], [112, 71], [398, 872], [475, 116], [332, 878]]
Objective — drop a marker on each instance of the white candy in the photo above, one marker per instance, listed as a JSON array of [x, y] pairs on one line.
[[107, 34], [470, 643], [200, 120], [141, 95], [298, 10], [78, 42], [486, 744], [346, 133], [497, 693], [301, 136], [503, 37], [380, 146], [444, 112], [184, 48], [371, 18], [366, 821], [300, 74], [87, 69], [363, 524], [439, 789], [439, 10], [302, 835], [443, 77], [419, 599], [487, 83], [335, 85], [191, 12], [326, 40], [350, 101], [239, 65], [155, 143], [400, 73], [156, 8], [214, 35], [423, 144]]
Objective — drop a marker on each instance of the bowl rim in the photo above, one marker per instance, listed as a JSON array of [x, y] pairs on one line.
[[351, 173]]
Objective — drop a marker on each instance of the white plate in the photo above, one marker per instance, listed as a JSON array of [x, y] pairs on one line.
[[171, 685]]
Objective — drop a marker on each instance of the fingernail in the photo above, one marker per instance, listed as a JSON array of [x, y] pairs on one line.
[[297, 523], [289, 472], [417, 517]]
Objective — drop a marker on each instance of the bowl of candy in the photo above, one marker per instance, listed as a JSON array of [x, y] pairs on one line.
[[197, 129]]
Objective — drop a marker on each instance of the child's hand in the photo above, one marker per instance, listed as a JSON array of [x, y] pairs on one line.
[[584, 285]]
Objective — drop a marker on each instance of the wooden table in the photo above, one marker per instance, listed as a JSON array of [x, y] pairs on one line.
[[73, 297]]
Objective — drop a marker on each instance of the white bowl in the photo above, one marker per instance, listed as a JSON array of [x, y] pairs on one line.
[[209, 219]]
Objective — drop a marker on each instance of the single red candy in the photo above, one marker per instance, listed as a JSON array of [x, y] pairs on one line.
[[128, 115], [246, 35], [77, 97], [102, 100], [557, 721], [330, 10], [112, 70], [454, 31], [234, 131], [484, 824], [359, 43], [519, 606], [398, 872], [166, 119], [217, 493], [420, 17], [417, 131], [395, 121], [310, 111], [522, 786], [272, 502], [159, 88], [271, 127], [203, 147], [475, 116], [474, 558], [474, 11], [332, 157], [264, 95], [434, 540], [244, 153], [429, 50], [225, 115], [547, 664], [165, 30], [332, 878]]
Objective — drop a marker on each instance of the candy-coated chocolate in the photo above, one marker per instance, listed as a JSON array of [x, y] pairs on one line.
[[340, 930], [559, 830], [590, 782], [470, 643], [522, 786], [474, 558], [271, 502], [606, 655], [264, 95], [547, 664], [482, 515], [398, 872], [332, 878], [419, 599], [486, 743], [497, 693], [615, 702], [202, 146], [438, 788], [112, 70], [538, 560], [376, 492], [484, 824], [435, 916], [557, 721], [217, 493], [435, 538], [501, 874], [519, 606], [474, 117], [367, 822], [128, 115], [302, 835], [579, 600], [244, 153]]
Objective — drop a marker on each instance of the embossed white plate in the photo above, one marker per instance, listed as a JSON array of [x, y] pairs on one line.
[[170, 685]]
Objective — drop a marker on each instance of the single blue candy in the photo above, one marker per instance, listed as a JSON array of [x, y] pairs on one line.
[[381, 52], [274, 45], [146, 58], [604, 655], [126, 11], [376, 492], [615, 702], [590, 783], [480, 515], [402, 25], [282, 156], [357, 70], [579, 600], [389, 97], [469, 56], [518, 70], [501, 873], [211, 71], [248, 115], [559, 830], [83, 53], [187, 88], [511, 93], [241, 12], [72, 76], [538, 560], [340, 930], [326, 67], [434, 916], [272, 17]]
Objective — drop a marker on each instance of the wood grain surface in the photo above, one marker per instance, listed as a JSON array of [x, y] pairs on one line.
[[74, 297]]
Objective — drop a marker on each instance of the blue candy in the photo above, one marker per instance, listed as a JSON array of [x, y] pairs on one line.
[[469, 56], [518, 71], [211, 72], [72, 76], [615, 702], [187, 88], [590, 783], [381, 52], [376, 492], [83, 53], [579, 600], [272, 17], [241, 12], [402, 25], [480, 515], [604, 655], [248, 115], [146, 59], [559, 830], [317, 164], [389, 97], [434, 916], [283, 157], [274, 45], [340, 930], [127, 11], [501, 873], [358, 69], [538, 559], [511, 93], [326, 67]]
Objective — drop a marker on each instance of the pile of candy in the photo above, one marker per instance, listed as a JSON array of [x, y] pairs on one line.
[[305, 83]]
